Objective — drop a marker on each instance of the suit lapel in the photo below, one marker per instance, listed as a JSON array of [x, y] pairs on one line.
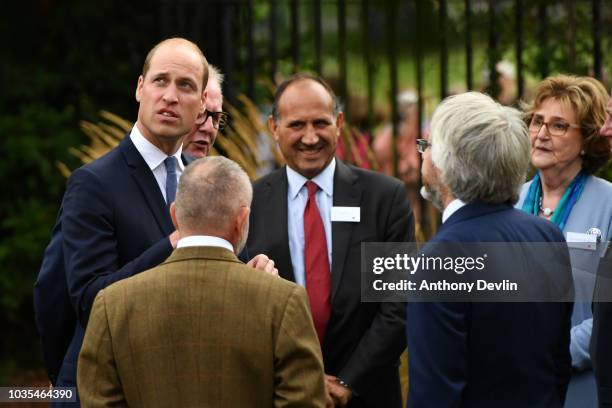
[[145, 180], [276, 209], [347, 193]]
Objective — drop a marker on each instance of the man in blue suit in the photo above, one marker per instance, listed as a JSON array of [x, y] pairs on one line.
[[468, 354], [115, 221], [55, 317], [601, 339]]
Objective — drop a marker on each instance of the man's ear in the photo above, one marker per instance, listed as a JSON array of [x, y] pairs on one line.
[[340, 122], [139, 88], [273, 126], [242, 218], [173, 215]]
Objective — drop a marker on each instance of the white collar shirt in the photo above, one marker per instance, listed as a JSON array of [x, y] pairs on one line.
[[154, 158]]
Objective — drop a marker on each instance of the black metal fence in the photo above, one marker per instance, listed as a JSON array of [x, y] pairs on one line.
[[252, 39]]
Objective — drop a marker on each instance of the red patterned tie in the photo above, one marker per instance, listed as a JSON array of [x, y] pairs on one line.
[[316, 262]]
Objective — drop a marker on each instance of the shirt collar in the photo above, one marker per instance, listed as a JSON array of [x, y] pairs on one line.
[[151, 154], [325, 180], [204, 240], [451, 208]]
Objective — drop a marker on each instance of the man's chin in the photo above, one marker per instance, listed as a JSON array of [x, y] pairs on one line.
[[198, 152]]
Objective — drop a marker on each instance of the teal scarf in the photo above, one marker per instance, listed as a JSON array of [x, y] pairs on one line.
[[564, 208]]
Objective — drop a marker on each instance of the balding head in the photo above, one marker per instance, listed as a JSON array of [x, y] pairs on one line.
[[177, 42], [214, 198]]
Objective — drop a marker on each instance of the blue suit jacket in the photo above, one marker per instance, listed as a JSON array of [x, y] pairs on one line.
[[113, 224], [55, 317], [490, 354]]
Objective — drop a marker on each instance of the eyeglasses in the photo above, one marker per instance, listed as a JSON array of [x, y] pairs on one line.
[[555, 128], [219, 119], [422, 145]]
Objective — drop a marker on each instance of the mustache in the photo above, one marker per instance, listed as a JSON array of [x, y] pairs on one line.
[[318, 146]]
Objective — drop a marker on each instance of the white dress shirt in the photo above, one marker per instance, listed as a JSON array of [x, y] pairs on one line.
[[204, 240], [155, 159], [451, 208], [297, 197]]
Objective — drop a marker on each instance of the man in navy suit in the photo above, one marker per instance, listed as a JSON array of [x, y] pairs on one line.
[[55, 317], [115, 221], [464, 354], [601, 339]]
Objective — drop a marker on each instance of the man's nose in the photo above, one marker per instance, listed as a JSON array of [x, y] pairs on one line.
[[207, 125], [310, 135], [170, 94]]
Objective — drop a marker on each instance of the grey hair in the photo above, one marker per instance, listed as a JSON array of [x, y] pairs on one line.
[[481, 148], [214, 74], [210, 193]]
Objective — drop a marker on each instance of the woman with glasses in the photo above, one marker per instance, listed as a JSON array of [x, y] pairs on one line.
[[566, 149]]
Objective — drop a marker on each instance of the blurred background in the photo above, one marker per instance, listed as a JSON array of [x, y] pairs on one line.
[[69, 69]]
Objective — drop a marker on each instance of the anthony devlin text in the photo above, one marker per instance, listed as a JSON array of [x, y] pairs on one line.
[[443, 285]]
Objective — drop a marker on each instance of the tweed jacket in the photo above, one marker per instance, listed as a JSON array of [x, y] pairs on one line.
[[201, 329]]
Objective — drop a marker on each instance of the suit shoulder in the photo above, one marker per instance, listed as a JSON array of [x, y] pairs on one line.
[[276, 283], [106, 164], [599, 186], [272, 177], [509, 225], [375, 178]]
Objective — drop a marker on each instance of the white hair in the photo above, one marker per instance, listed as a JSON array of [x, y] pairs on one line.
[[481, 148], [214, 74]]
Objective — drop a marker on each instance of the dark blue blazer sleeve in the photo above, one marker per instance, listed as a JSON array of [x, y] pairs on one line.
[[91, 242], [55, 318]]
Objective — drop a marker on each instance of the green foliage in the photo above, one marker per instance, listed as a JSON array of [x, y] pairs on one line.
[[34, 139]]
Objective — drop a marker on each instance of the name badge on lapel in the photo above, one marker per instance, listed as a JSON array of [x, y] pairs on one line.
[[346, 214], [582, 241]]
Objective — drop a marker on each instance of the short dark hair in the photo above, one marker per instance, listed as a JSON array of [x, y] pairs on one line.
[[178, 40], [302, 76]]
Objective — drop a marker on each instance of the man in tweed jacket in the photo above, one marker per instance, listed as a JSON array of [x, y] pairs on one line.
[[203, 329]]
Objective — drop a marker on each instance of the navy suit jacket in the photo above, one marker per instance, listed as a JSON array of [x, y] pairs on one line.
[[114, 223], [364, 340], [490, 354], [601, 338], [55, 317]]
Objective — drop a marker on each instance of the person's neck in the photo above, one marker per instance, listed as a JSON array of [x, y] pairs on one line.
[[447, 198], [168, 145], [555, 182]]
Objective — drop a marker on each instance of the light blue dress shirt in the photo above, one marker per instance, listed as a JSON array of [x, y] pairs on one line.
[[297, 196]]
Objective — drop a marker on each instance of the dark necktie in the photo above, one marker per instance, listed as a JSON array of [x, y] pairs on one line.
[[316, 263], [170, 163]]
